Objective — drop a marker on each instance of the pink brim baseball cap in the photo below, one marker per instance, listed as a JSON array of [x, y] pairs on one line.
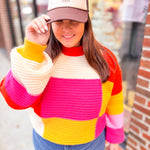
[[76, 10]]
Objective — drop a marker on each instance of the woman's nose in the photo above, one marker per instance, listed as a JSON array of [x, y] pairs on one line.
[[66, 25]]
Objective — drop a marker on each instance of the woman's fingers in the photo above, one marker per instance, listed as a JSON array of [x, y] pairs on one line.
[[36, 28], [39, 24], [38, 31], [47, 18], [44, 24], [44, 19]]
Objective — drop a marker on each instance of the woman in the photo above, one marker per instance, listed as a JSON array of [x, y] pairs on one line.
[[75, 92]]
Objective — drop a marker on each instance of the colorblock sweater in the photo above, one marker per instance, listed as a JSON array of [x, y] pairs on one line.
[[68, 103]]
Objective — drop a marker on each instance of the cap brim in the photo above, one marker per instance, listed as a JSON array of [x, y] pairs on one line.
[[68, 13]]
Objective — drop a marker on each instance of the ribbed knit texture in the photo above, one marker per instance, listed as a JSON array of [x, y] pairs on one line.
[[69, 104]]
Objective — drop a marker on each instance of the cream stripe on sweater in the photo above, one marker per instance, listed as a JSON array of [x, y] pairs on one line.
[[33, 75]]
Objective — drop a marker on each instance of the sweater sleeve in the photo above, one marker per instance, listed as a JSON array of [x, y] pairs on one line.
[[114, 110], [30, 72]]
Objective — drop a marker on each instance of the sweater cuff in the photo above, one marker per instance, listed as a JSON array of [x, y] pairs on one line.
[[115, 136], [32, 51]]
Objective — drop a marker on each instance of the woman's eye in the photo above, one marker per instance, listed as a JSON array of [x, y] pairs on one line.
[[74, 22], [59, 21]]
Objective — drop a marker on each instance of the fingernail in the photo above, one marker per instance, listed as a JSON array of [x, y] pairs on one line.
[[39, 31], [48, 17], [46, 28], [43, 30]]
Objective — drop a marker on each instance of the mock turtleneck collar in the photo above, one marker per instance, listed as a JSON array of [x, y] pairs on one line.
[[73, 51]]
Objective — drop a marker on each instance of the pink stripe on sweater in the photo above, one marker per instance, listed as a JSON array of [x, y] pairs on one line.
[[77, 99], [115, 136], [100, 125], [114, 121], [18, 93]]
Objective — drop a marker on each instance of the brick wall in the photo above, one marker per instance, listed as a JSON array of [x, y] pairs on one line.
[[5, 26], [1, 38], [139, 132]]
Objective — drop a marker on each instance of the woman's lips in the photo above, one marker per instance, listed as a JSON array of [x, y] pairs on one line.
[[68, 37]]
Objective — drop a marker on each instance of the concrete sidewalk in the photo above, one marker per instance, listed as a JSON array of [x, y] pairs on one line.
[[15, 127]]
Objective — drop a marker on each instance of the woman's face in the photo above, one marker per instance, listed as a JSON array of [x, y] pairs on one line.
[[68, 32]]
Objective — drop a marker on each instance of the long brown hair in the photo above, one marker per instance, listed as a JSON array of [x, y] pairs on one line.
[[92, 49]]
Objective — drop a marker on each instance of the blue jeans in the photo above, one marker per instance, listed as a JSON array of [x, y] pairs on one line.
[[42, 144]]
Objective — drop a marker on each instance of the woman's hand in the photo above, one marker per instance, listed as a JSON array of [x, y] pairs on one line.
[[38, 31], [114, 147], [109, 146]]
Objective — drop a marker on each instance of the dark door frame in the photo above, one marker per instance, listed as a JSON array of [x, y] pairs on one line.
[[20, 19]]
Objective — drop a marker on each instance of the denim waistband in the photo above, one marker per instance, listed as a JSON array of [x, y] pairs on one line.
[[42, 144]]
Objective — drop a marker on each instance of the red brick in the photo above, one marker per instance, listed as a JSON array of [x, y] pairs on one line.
[[132, 141], [148, 19], [142, 109], [133, 148], [137, 115], [148, 104], [142, 82], [144, 73], [139, 124], [147, 31], [142, 148], [146, 54], [145, 64], [139, 99], [147, 120], [149, 8], [135, 129], [143, 92], [137, 137], [149, 146], [146, 42], [146, 136]]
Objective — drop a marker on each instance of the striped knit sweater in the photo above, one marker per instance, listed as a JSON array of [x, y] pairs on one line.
[[68, 103]]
